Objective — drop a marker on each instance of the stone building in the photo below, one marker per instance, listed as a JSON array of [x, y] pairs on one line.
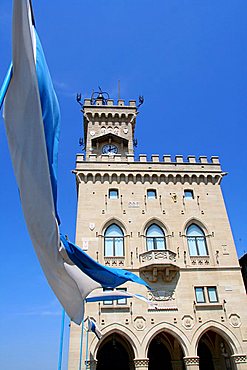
[[165, 220]]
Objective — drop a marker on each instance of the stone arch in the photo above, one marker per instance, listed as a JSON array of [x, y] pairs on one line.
[[170, 178], [139, 178], [106, 177], [89, 177], [130, 178], [220, 329], [210, 179], [170, 329], [114, 178], [122, 177], [147, 178], [98, 177], [178, 179], [162, 178], [196, 221], [194, 178], [121, 330], [111, 221], [186, 179], [154, 220], [202, 179], [155, 179]]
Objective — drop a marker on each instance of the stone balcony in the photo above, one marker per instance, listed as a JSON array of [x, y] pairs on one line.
[[157, 263]]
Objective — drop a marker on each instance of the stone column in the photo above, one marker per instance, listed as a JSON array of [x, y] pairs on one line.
[[191, 362], [141, 363], [240, 361]]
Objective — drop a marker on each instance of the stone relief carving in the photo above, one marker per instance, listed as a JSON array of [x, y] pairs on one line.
[[235, 320], [140, 323], [187, 322], [161, 295]]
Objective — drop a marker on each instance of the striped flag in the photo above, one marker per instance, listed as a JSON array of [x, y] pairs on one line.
[[32, 120], [94, 328]]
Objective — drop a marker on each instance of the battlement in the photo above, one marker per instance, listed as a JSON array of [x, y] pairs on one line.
[[127, 168], [155, 158], [108, 103]]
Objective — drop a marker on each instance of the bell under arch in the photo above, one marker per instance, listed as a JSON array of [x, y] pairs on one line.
[[115, 352]]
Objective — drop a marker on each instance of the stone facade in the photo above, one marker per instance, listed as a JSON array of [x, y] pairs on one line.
[[199, 301]]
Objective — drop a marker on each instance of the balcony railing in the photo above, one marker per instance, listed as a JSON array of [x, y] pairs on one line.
[[157, 263]]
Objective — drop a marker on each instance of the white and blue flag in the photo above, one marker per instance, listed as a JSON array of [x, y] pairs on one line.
[[92, 326], [32, 120]]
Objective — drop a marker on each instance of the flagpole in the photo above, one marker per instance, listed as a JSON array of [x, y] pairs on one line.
[[61, 341], [81, 344], [86, 350]]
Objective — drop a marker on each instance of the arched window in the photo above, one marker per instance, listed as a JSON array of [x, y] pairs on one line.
[[155, 238], [196, 241], [114, 241]]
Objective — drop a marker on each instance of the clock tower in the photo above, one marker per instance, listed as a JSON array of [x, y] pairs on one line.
[[108, 128]]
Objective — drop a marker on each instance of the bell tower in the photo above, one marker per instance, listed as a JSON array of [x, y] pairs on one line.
[[108, 128]]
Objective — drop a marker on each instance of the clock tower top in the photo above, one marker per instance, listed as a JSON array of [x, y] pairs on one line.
[[108, 128]]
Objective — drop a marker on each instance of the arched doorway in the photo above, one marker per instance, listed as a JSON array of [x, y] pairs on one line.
[[214, 352], [115, 352], [165, 352]]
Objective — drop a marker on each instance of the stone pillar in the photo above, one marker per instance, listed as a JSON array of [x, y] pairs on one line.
[[191, 362], [240, 361], [177, 364], [141, 363]]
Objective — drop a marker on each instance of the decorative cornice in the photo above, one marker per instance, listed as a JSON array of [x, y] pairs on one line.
[[149, 177], [239, 359], [191, 360], [141, 362]]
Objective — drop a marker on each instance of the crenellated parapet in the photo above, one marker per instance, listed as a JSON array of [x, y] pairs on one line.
[[127, 169], [155, 158]]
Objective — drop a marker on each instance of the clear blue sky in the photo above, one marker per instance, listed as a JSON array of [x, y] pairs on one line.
[[189, 60]]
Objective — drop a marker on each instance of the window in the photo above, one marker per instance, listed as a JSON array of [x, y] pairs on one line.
[[155, 238], [108, 303], [196, 241], [113, 193], [188, 194], [212, 296], [114, 241], [120, 302], [151, 194], [200, 296]]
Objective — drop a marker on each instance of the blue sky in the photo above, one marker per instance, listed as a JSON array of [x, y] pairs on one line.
[[189, 60]]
